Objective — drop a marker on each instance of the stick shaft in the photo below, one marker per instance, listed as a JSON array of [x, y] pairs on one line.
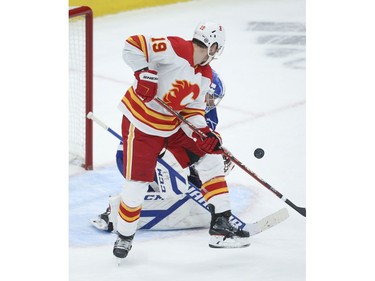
[[225, 152], [91, 116], [233, 218]]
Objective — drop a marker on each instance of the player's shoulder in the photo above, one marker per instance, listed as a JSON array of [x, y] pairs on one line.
[[183, 48], [180, 43]]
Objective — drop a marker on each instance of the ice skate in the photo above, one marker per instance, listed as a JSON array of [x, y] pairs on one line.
[[122, 246], [224, 234], [102, 222]]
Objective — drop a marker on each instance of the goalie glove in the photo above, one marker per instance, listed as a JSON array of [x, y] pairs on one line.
[[147, 84], [211, 144]]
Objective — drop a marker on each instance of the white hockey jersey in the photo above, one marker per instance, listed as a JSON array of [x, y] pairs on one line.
[[181, 85]]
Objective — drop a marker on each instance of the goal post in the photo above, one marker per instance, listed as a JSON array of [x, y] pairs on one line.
[[80, 86]]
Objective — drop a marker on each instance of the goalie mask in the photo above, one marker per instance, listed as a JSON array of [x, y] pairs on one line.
[[216, 92], [209, 34]]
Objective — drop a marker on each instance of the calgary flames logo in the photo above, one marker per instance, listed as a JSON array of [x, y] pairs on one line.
[[182, 93]]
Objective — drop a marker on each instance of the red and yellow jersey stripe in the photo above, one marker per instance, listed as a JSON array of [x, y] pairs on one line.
[[139, 41], [155, 120], [214, 187], [190, 112], [148, 116], [129, 214]]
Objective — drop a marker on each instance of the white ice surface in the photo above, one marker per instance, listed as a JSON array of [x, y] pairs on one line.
[[35, 242], [263, 67]]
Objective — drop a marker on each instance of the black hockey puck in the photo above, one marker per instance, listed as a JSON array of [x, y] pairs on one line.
[[258, 153]]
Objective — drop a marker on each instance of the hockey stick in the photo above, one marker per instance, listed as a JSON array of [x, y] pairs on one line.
[[91, 116], [194, 193], [197, 199], [253, 228], [225, 152]]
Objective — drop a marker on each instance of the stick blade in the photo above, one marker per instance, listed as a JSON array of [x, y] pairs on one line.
[[268, 221]]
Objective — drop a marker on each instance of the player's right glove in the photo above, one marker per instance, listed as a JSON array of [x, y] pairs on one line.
[[211, 144], [147, 85]]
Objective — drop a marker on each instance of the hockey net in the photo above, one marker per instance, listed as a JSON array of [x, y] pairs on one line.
[[80, 86]]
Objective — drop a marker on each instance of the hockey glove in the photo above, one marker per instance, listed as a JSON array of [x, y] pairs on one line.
[[147, 85], [211, 144]]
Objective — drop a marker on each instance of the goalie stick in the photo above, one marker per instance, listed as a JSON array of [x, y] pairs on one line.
[[225, 152], [195, 194]]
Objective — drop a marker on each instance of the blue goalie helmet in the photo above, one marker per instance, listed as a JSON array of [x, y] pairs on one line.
[[216, 92]]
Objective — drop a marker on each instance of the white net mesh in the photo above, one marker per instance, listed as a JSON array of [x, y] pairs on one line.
[[77, 90]]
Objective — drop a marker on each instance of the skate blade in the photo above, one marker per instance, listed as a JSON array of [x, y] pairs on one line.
[[228, 246], [219, 242], [119, 261]]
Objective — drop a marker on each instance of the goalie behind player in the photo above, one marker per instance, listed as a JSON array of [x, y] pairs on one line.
[[158, 200], [189, 214]]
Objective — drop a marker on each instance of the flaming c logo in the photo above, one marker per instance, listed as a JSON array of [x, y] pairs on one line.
[[182, 93]]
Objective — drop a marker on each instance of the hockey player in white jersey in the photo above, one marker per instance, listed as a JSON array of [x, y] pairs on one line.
[[178, 72], [167, 208]]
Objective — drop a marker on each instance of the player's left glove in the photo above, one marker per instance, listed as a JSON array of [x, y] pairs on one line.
[[211, 144], [147, 85]]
